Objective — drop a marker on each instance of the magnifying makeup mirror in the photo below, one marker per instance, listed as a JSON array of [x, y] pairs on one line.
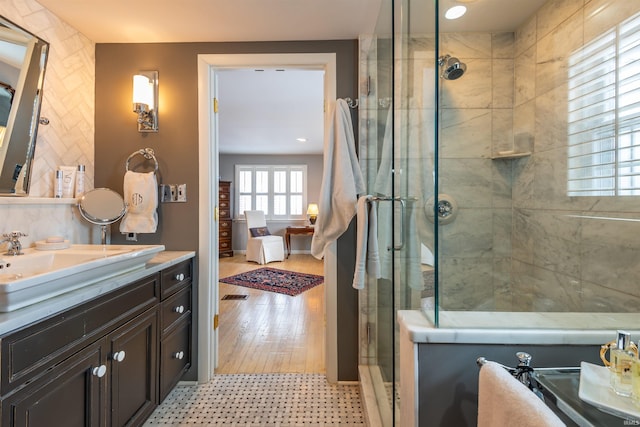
[[102, 206]]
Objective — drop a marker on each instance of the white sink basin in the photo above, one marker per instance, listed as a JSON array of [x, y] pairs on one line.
[[38, 275]]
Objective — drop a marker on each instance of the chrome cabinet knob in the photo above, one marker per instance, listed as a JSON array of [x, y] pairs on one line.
[[118, 356], [180, 276], [99, 371], [178, 355], [179, 309]]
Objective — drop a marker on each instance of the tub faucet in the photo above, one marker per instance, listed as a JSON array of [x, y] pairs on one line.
[[523, 370], [13, 238]]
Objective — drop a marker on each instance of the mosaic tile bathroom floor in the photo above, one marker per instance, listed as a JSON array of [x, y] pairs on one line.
[[283, 400]]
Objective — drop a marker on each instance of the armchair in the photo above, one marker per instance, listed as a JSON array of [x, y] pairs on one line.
[[262, 247]]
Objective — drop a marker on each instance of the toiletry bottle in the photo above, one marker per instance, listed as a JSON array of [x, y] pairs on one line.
[[622, 359], [68, 180], [80, 181], [635, 383], [57, 188]]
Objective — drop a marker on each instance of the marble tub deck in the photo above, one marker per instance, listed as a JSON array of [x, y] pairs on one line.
[[522, 327]]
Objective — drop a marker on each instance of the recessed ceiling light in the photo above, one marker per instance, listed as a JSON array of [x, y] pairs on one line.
[[301, 139], [455, 12]]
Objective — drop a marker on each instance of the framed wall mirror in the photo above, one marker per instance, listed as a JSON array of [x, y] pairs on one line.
[[23, 59]]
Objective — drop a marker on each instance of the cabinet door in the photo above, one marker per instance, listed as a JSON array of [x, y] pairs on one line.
[[132, 357], [175, 356], [70, 395]]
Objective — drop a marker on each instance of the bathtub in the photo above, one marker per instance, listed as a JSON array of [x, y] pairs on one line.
[[438, 371]]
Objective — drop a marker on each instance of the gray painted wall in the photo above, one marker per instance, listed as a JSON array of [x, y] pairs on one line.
[[176, 143]]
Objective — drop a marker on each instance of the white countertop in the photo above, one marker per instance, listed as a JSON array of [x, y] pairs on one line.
[[24, 316], [517, 327]]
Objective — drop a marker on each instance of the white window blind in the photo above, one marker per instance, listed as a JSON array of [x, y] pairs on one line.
[[604, 114], [278, 190]]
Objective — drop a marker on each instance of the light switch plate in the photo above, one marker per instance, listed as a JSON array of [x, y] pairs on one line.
[[182, 193], [165, 193], [171, 193]]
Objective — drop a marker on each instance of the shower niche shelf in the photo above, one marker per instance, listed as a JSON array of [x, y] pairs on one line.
[[514, 155]]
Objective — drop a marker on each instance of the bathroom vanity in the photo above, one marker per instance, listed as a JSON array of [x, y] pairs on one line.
[[106, 354]]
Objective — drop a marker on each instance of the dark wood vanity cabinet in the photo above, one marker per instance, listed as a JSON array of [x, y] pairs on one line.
[[175, 321], [100, 364], [69, 395], [133, 370]]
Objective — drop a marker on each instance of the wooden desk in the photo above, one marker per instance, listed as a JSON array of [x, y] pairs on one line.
[[303, 230]]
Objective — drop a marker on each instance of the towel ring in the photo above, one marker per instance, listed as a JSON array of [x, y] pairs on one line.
[[148, 154]]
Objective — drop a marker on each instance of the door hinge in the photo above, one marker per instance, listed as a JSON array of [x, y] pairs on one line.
[[215, 105], [216, 213], [215, 322]]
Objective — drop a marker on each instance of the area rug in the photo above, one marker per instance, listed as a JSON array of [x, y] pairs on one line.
[[275, 280]]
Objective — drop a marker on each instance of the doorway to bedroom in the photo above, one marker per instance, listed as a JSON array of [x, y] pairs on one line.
[[270, 143], [267, 332]]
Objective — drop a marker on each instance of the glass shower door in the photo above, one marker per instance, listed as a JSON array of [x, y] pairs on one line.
[[397, 151]]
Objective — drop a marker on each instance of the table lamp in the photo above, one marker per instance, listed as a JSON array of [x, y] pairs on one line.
[[312, 213]]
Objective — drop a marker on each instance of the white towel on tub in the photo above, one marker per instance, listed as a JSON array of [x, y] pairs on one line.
[[505, 401], [141, 198]]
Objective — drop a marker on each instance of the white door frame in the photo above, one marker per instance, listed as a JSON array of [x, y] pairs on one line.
[[208, 200]]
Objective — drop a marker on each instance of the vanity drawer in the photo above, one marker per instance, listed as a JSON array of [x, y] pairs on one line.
[[176, 277], [175, 357], [176, 307]]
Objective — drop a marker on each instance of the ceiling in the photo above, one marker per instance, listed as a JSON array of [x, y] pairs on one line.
[[266, 111], [256, 97]]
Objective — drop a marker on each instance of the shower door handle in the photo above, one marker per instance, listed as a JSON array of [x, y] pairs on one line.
[[403, 209], [403, 206]]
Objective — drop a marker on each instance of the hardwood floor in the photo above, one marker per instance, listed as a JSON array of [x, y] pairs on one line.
[[270, 332]]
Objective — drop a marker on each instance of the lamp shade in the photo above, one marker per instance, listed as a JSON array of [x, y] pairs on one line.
[[312, 209], [143, 91]]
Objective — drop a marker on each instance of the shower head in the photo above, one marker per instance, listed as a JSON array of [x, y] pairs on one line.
[[452, 68]]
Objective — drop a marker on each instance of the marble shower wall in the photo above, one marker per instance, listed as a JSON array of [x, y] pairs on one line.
[[519, 242], [569, 253], [68, 102], [476, 121]]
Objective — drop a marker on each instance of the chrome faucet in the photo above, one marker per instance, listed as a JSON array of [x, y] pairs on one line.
[[13, 238], [523, 370]]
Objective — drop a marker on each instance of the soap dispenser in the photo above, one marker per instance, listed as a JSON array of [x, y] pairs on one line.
[[621, 362]]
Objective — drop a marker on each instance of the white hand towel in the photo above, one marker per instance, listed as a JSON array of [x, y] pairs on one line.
[[341, 181], [141, 197], [367, 258], [505, 401]]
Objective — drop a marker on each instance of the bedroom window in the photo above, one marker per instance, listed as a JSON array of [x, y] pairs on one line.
[[278, 190], [604, 114]]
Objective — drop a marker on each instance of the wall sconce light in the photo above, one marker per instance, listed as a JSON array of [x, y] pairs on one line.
[[312, 212], [145, 100]]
